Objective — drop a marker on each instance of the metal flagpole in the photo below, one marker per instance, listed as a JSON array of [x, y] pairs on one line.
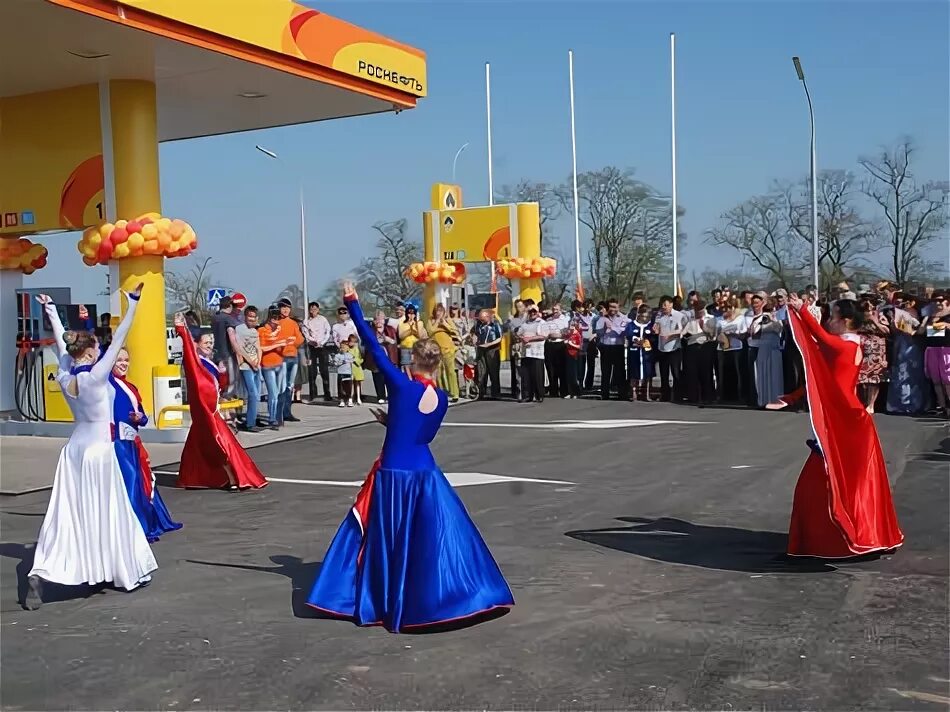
[[303, 253], [673, 155], [579, 290], [491, 188]]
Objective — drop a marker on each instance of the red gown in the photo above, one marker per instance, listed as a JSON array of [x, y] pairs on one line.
[[210, 444], [842, 504]]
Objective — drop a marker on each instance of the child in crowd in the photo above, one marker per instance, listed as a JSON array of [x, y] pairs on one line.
[[575, 340], [468, 355], [344, 374], [641, 334], [357, 369]]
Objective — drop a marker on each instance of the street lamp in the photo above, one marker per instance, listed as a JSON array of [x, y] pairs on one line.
[[814, 176], [303, 230], [455, 160]]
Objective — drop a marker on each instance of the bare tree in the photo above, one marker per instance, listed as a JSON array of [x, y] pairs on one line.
[[383, 276], [760, 230], [845, 237], [735, 279], [630, 235], [189, 290], [544, 194], [915, 214]]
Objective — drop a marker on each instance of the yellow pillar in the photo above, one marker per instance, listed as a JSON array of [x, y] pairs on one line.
[[428, 254], [529, 247], [135, 167]]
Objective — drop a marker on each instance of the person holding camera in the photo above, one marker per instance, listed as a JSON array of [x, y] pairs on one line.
[[766, 334]]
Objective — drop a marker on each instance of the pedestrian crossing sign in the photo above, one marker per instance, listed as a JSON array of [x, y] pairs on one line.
[[214, 297]]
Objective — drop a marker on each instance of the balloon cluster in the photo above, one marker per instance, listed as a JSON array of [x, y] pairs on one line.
[[441, 272], [522, 268], [148, 234], [22, 254]]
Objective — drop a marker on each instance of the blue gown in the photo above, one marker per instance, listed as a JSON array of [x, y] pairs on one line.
[[139, 482], [640, 361], [407, 555]]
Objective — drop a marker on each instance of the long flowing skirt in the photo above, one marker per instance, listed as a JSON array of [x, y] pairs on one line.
[[210, 446], [90, 533], [408, 555], [144, 496], [769, 377]]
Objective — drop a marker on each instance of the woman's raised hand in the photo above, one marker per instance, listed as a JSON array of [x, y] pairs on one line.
[[349, 290], [179, 319], [44, 299]]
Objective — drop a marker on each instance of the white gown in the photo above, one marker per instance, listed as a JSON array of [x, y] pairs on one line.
[[90, 533]]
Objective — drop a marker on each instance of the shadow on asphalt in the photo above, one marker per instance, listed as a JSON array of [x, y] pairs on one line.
[[52, 592], [677, 541], [302, 576]]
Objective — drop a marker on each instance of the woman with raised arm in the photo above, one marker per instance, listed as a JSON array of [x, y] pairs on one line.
[[842, 506], [90, 534], [407, 555], [212, 458], [128, 416]]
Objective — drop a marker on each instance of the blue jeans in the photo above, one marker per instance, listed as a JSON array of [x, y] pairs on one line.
[[290, 367], [252, 384], [275, 378]]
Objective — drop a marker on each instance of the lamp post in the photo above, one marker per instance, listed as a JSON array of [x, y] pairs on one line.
[[814, 176], [455, 160], [303, 230]]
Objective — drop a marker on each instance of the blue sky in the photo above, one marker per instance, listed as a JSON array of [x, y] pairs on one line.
[[876, 70]]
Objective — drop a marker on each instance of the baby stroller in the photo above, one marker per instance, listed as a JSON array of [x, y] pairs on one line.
[[465, 359]]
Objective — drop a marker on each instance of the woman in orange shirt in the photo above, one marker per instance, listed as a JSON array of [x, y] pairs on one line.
[[290, 330]]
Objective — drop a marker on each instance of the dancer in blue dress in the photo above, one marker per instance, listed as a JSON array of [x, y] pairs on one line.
[[407, 555], [127, 417]]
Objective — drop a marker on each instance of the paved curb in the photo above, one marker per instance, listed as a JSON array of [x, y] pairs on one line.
[[289, 438]]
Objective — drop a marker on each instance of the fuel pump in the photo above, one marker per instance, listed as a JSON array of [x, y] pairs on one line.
[[38, 395]]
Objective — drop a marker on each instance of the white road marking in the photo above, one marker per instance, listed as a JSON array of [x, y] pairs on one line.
[[740, 467], [456, 479], [578, 424]]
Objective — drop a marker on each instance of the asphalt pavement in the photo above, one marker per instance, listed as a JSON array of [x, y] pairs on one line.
[[643, 544]]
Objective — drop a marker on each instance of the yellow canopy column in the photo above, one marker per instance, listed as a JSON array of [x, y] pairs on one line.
[[135, 167]]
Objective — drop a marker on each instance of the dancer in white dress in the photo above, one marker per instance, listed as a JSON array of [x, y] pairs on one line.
[[90, 533]]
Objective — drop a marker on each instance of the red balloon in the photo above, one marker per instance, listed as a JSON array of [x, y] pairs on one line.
[[40, 263], [144, 221], [133, 226], [118, 236], [105, 252]]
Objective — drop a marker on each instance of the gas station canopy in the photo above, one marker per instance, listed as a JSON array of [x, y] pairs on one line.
[[219, 66]]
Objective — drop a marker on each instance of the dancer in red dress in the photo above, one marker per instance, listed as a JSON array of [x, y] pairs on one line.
[[212, 458], [842, 505]]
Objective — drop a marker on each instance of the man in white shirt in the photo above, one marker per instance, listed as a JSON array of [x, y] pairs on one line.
[[669, 326], [316, 333], [533, 333], [611, 335], [344, 327], [555, 353]]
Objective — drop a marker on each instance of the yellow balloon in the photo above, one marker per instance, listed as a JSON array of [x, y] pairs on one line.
[[95, 240], [88, 251], [121, 223], [152, 247], [177, 230], [149, 231], [164, 239], [174, 246], [136, 241], [151, 216], [106, 229], [120, 251]]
